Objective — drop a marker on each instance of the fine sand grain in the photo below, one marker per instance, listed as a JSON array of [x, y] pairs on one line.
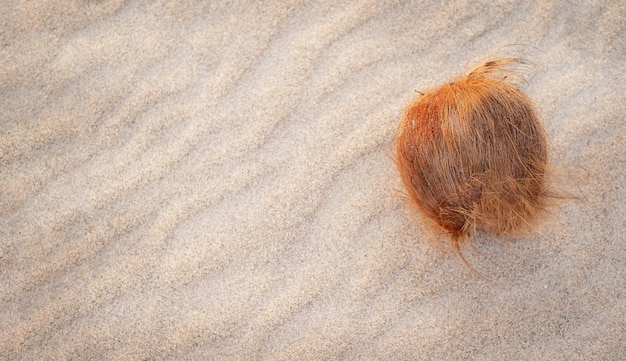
[[213, 180]]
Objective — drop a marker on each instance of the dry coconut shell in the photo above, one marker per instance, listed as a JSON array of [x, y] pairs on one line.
[[473, 154]]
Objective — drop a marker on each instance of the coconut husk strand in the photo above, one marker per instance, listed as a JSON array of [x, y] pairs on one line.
[[473, 154]]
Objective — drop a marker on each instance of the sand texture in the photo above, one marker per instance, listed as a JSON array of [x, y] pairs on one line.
[[213, 180]]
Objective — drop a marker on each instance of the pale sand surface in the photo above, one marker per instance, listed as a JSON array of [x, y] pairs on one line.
[[189, 181]]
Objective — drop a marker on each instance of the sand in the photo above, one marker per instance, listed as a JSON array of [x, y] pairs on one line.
[[214, 181]]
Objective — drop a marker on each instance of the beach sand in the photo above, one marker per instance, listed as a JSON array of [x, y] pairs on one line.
[[213, 181]]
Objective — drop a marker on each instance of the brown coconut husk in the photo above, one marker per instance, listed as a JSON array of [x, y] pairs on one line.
[[473, 154]]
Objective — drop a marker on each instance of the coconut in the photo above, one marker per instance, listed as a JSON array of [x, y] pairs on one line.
[[473, 154]]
